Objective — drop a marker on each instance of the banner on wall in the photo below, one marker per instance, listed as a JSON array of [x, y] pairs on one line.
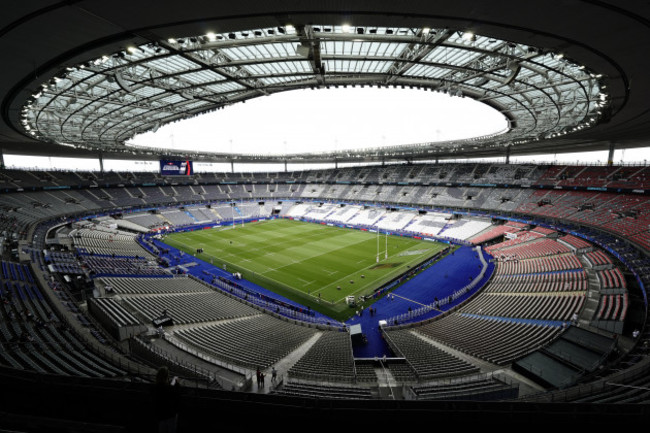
[[176, 168]]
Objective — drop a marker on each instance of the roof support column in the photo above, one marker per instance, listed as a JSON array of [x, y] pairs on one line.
[[610, 156], [508, 155], [2, 159], [101, 162]]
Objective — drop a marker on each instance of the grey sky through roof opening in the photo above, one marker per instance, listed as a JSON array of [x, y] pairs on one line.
[[330, 119], [106, 102]]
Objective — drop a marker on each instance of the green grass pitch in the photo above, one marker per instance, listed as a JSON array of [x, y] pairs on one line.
[[314, 264]]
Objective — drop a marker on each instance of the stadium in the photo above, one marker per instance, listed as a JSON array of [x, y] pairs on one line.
[[378, 286]]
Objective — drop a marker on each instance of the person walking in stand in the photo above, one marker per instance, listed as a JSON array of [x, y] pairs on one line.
[[274, 375]]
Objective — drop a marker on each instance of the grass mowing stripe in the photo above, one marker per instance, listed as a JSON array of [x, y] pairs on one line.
[[277, 246], [320, 254]]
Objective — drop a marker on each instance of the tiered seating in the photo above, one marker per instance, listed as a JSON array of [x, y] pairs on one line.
[[539, 264], [330, 358], [33, 338], [343, 214], [611, 278], [299, 210], [576, 243], [115, 312], [153, 286], [109, 247], [258, 341], [396, 220], [476, 388], [496, 340], [547, 282], [598, 258], [536, 248], [429, 224], [367, 217], [586, 176], [577, 353], [428, 361], [99, 266], [147, 220], [642, 238], [115, 318], [522, 237], [612, 307], [295, 389], [202, 214], [178, 218], [630, 177], [538, 305], [492, 233], [517, 225], [465, 229], [189, 308], [543, 230], [551, 175], [153, 354]]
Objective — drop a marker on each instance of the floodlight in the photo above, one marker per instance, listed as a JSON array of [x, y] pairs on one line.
[[469, 36]]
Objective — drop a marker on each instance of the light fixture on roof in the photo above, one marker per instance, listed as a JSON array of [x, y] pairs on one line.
[[172, 41], [346, 28], [426, 30], [211, 36], [469, 36]]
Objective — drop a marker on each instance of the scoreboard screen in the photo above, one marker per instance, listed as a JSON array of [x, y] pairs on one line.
[[176, 168]]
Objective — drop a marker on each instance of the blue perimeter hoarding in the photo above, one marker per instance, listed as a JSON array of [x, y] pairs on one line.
[[176, 168]]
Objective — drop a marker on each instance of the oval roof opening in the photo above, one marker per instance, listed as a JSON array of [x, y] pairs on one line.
[[326, 120]]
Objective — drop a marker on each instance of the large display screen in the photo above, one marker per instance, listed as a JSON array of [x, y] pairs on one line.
[[176, 168]]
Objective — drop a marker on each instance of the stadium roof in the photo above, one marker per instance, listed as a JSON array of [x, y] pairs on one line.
[[83, 77]]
